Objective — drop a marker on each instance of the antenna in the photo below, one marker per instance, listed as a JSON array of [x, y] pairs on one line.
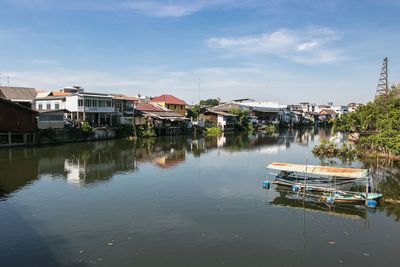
[[383, 87], [8, 79], [199, 90]]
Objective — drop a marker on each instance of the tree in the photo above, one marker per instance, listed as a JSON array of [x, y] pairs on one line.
[[243, 120], [378, 121], [194, 112], [209, 102]]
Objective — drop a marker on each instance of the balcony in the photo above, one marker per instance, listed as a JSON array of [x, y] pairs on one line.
[[97, 109]]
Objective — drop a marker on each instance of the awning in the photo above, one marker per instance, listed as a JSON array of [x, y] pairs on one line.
[[319, 170]]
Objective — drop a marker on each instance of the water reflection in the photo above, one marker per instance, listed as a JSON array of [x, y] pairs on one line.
[[85, 164], [89, 163], [287, 198]]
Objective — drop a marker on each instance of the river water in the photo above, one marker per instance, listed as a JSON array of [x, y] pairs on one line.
[[181, 201]]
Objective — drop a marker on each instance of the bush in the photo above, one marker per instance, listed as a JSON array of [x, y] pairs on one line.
[[86, 129], [214, 131]]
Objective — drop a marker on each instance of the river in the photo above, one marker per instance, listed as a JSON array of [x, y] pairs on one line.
[[181, 201]]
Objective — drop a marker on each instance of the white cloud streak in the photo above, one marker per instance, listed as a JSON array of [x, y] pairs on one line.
[[309, 46]]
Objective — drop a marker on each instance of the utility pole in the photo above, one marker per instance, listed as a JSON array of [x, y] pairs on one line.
[[383, 86]]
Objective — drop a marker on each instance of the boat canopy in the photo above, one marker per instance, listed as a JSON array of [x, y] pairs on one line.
[[319, 170]]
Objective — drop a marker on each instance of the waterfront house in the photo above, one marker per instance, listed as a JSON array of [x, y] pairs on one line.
[[170, 102], [18, 123], [224, 120], [125, 107], [95, 108], [20, 95], [265, 112], [164, 120], [329, 113]]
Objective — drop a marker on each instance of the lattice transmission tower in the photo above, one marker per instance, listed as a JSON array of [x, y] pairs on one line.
[[383, 86]]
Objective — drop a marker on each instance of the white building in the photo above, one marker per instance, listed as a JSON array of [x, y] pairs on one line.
[[340, 110]]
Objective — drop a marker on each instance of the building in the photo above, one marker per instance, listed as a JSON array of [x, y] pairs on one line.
[[95, 108], [170, 102], [18, 124], [20, 95], [165, 121], [265, 112], [226, 121], [53, 119], [16, 118], [125, 107], [49, 103], [329, 113], [340, 110], [353, 106]]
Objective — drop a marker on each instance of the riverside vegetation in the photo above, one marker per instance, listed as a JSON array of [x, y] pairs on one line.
[[375, 128]]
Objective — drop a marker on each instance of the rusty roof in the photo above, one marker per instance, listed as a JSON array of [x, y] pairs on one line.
[[320, 170]]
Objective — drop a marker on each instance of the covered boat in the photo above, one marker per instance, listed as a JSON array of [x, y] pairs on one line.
[[320, 170], [316, 178]]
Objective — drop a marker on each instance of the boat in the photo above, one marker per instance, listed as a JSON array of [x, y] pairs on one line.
[[316, 178], [340, 197]]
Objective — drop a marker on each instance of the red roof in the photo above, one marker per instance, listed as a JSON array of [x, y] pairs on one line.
[[149, 107], [168, 99]]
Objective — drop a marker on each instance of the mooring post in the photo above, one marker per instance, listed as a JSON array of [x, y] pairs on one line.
[[366, 194]]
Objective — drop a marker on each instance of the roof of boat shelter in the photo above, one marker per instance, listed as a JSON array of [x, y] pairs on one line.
[[319, 170]]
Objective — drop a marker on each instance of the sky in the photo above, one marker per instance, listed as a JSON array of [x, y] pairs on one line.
[[288, 51]]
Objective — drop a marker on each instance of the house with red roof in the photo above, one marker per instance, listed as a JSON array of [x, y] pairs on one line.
[[171, 102]]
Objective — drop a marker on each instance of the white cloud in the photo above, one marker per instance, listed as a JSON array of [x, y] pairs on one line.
[[309, 46]]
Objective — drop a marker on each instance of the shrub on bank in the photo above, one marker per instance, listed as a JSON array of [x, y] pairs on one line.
[[214, 131]]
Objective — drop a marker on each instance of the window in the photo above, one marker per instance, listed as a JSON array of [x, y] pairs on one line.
[[48, 106], [108, 103], [40, 106], [181, 107], [57, 106], [175, 107], [45, 117], [80, 102]]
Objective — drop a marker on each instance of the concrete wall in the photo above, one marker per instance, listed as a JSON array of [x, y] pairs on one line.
[[51, 124], [52, 103], [71, 103]]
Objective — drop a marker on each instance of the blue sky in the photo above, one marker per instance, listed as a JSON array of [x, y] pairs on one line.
[[273, 50]]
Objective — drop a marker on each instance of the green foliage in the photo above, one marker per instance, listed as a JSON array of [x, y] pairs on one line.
[[194, 112], [86, 129], [329, 149], [209, 102], [271, 129], [378, 122], [214, 131], [146, 131], [243, 120]]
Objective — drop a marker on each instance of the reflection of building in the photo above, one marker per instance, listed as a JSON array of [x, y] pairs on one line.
[[75, 173], [171, 160]]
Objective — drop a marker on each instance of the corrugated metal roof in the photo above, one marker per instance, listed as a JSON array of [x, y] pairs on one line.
[[319, 170], [19, 93]]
